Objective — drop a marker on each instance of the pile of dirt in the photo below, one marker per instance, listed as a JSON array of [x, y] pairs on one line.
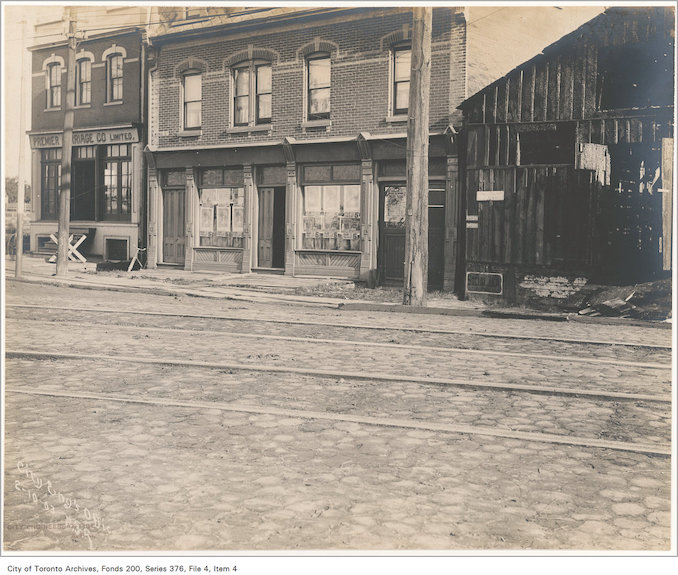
[[649, 301]]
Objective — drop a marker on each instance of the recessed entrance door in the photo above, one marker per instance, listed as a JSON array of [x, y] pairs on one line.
[[271, 240], [391, 257], [173, 226], [82, 191]]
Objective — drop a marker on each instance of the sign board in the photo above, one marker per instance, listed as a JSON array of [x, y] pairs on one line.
[[87, 138], [490, 196], [485, 282]]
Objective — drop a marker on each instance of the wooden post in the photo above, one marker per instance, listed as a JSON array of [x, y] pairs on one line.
[[18, 269], [66, 153], [416, 219]]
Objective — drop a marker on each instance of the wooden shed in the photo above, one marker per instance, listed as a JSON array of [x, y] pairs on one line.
[[567, 163]]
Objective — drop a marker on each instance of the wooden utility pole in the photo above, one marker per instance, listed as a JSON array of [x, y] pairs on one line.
[[18, 269], [416, 219], [66, 153]]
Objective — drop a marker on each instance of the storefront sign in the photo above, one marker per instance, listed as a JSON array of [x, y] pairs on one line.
[[88, 138], [490, 196]]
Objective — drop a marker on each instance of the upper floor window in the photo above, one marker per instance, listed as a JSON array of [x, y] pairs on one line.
[[252, 92], [318, 82], [114, 78], [402, 58], [83, 82], [54, 85], [192, 101]]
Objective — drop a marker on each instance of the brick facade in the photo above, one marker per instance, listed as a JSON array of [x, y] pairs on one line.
[[360, 149]]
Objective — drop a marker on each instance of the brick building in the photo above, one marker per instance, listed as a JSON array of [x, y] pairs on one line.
[[107, 184], [277, 140]]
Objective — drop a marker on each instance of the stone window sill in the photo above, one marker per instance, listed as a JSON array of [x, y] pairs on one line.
[[116, 103], [248, 129], [396, 119], [52, 109], [190, 133], [82, 107], [316, 123]]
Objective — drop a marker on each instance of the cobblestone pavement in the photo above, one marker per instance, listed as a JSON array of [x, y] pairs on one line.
[[205, 475]]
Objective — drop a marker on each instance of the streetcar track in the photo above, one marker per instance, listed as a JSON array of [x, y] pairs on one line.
[[362, 343], [660, 450], [467, 384], [347, 326]]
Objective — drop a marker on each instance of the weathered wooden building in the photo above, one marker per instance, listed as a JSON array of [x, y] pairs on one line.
[[567, 163]]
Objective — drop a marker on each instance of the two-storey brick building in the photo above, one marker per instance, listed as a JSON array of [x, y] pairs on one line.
[[108, 186], [277, 141]]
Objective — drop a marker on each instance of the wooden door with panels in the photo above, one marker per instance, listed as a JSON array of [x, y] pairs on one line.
[[271, 228]]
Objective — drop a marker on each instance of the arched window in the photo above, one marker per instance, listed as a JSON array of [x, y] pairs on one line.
[[83, 82], [400, 97], [318, 82], [252, 93], [54, 85], [114, 78], [192, 108]]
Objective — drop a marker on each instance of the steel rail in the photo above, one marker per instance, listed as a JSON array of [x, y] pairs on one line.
[[484, 352], [347, 325], [661, 450], [576, 392]]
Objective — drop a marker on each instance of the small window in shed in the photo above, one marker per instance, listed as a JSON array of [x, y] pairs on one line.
[[546, 144]]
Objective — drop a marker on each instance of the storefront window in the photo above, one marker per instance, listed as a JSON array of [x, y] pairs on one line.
[[222, 217], [331, 217], [117, 183]]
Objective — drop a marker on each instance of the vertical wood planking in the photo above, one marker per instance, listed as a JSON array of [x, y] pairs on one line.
[[509, 197], [527, 95], [539, 223], [501, 102], [514, 96], [552, 99], [498, 215], [590, 94], [566, 88], [540, 91], [520, 215], [530, 231], [578, 86]]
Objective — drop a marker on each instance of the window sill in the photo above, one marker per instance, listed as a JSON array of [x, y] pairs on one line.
[[190, 133], [52, 110], [248, 129], [82, 107], [116, 103], [325, 123], [396, 119]]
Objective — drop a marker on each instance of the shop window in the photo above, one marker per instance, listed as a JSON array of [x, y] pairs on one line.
[[318, 81], [222, 217], [117, 183], [192, 111], [331, 217], [50, 183], [252, 94], [54, 85], [402, 58], [114, 78], [83, 82]]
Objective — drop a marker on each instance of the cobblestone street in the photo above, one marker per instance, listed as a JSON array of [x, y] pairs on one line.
[[135, 443]]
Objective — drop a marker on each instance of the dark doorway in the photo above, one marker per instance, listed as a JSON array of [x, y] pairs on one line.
[[391, 256], [271, 241], [173, 226], [83, 191]]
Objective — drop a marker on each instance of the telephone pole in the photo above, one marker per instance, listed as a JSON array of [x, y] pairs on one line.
[[416, 219], [66, 153], [18, 269]]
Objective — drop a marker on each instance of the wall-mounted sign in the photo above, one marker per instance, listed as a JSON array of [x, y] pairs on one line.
[[485, 282], [87, 138], [490, 196]]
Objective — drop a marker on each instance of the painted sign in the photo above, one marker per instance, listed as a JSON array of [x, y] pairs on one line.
[[485, 282], [490, 196], [87, 138]]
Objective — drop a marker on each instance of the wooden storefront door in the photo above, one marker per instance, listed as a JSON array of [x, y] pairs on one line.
[[82, 194], [391, 257], [271, 225], [174, 226]]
